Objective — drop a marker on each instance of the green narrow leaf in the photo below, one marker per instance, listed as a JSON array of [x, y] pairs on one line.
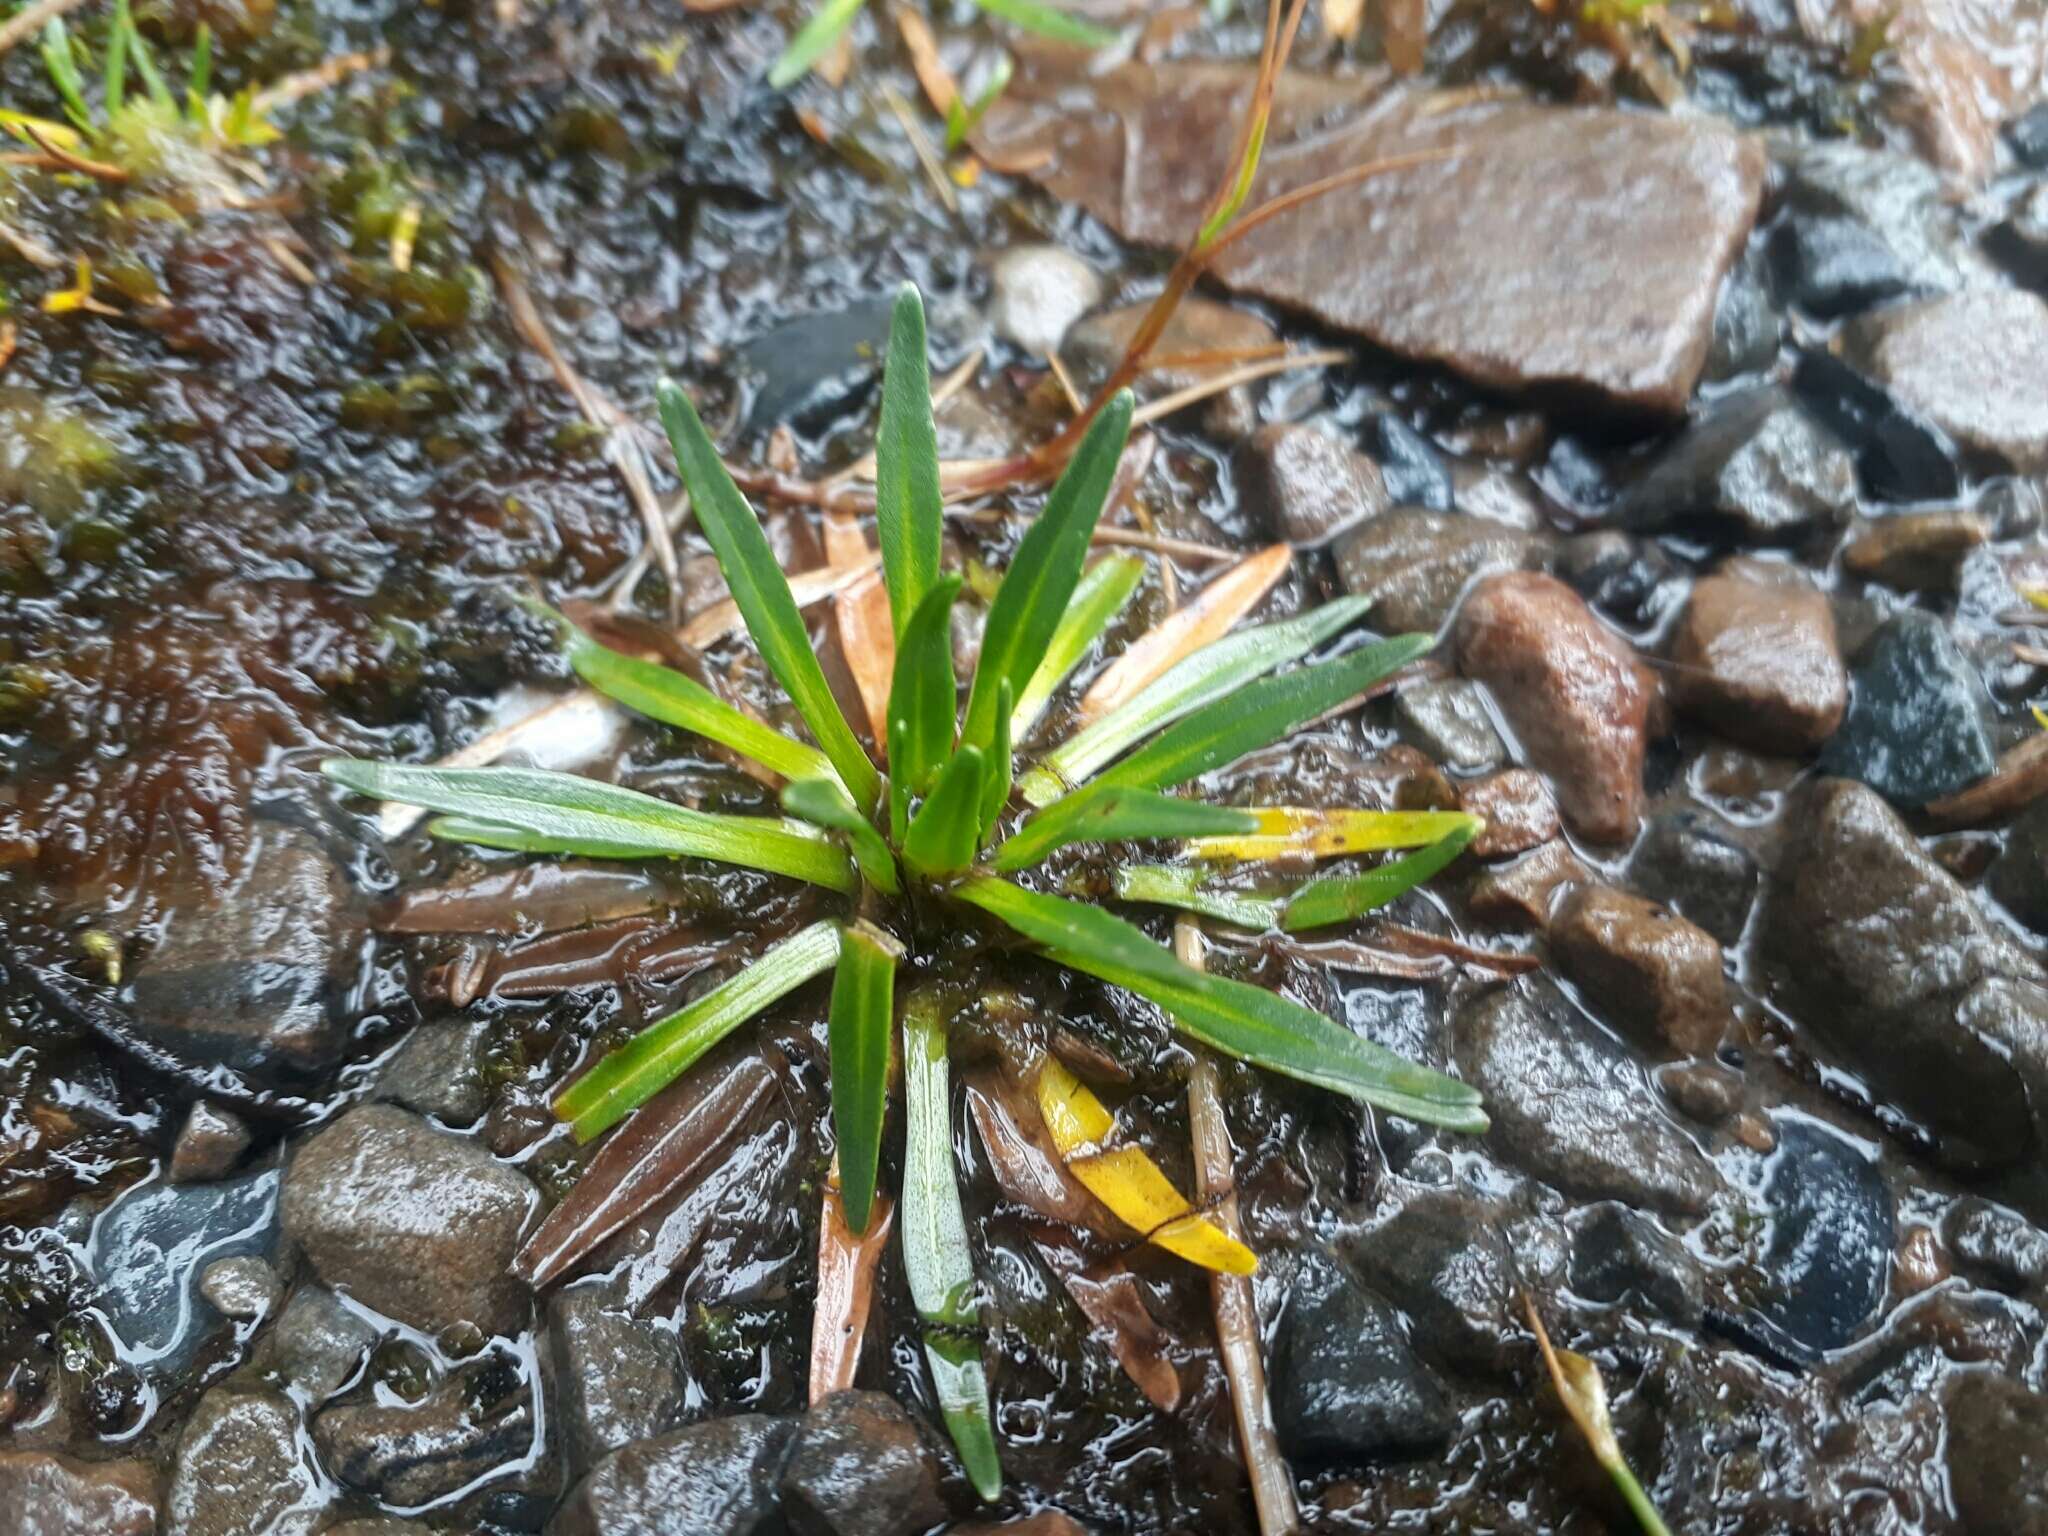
[[114, 75], [1048, 22], [946, 830], [200, 81], [1339, 898], [899, 788], [1189, 888], [1034, 593], [909, 515], [664, 1050], [1260, 714], [923, 693], [664, 694], [995, 781], [62, 69], [863, 1014], [961, 119], [145, 66], [1106, 814], [936, 1258], [1215, 671], [814, 39], [565, 809], [489, 834], [761, 591], [1248, 1022], [1104, 591], [822, 801]]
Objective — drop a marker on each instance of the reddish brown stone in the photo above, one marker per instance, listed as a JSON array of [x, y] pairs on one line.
[[1758, 662], [1520, 812], [1571, 688], [46, 1495], [1643, 966], [1520, 895]]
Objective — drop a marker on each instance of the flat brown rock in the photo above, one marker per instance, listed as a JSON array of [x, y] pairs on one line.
[[1758, 662], [1561, 246], [1974, 363]]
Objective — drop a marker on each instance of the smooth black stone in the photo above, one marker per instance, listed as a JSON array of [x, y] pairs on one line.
[[1919, 722]]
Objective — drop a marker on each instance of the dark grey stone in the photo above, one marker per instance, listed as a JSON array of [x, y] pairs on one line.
[[617, 1378], [1413, 563], [859, 1467], [712, 1479], [1999, 1245], [472, 1422], [1446, 719], [1305, 485], [1899, 455], [808, 370], [1414, 472], [2019, 876], [1828, 1258], [1620, 1257], [2028, 136], [150, 1247], [1570, 1107], [437, 1072], [1755, 465], [1346, 1385], [210, 1143], [317, 1343], [1896, 200], [1997, 1454], [1919, 723], [1832, 266], [1630, 580], [1690, 861], [1441, 1259], [1746, 327]]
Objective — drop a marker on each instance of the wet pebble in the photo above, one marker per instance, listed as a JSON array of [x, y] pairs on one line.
[[1626, 578], [473, 1421], [1746, 327], [1414, 472], [1304, 484], [1755, 465], [48, 1495], [1915, 551], [1572, 691], [1519, 809], [717, 1478], [1446, 718], [412, 1221], [2028, 135], [437, 1071], [1998, 1454], [1919, 722], [150, 1248], [1036, 292], [1644, 967], [1999, 1245], [808, 370], [243, 1288], [859, 1467], [239, 1470], [1567, 1103], [1828, 1258], [210, 1143], [1623, 1258], [1754, 656], [617, 1378], [1346, 1384], [1413, 563], [1440, 1257], [1688, 861], [1521, 894], [1893, 208], [1974, 364], [317, 1343]]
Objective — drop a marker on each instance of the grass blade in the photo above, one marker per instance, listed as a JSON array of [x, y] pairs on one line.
[[145, 66], [488, 834], [946, 830], [114, 74], [924, 696], [1128, 1181], [1105, 814], [823, 803], [1584, 1394], [761, 591], [1339, 898], [1240, 1020], [858, 1029], [908, 513], [664, 694], [1034, 593], [1212, 673], [662, 1052], [899, 788], [1216, 611], [1179, 885], [961, 119], [1300, 832], [814, 39], [199, 82], [995, 779], [62, 68], [563, 808], [1104, 591], [1260, 714], [1048, 22], [936, 1258]]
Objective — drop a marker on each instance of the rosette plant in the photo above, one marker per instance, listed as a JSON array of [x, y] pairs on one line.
[[942, 830]]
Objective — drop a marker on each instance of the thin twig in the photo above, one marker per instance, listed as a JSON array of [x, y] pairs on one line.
[[310, 82], [1231, 1296], [921, 145], [1322, 186], [1158, 544], [1180, 399], [286, 258], [33, 20], [30, 249], [622, 446], [635, 569], [65, 159]]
